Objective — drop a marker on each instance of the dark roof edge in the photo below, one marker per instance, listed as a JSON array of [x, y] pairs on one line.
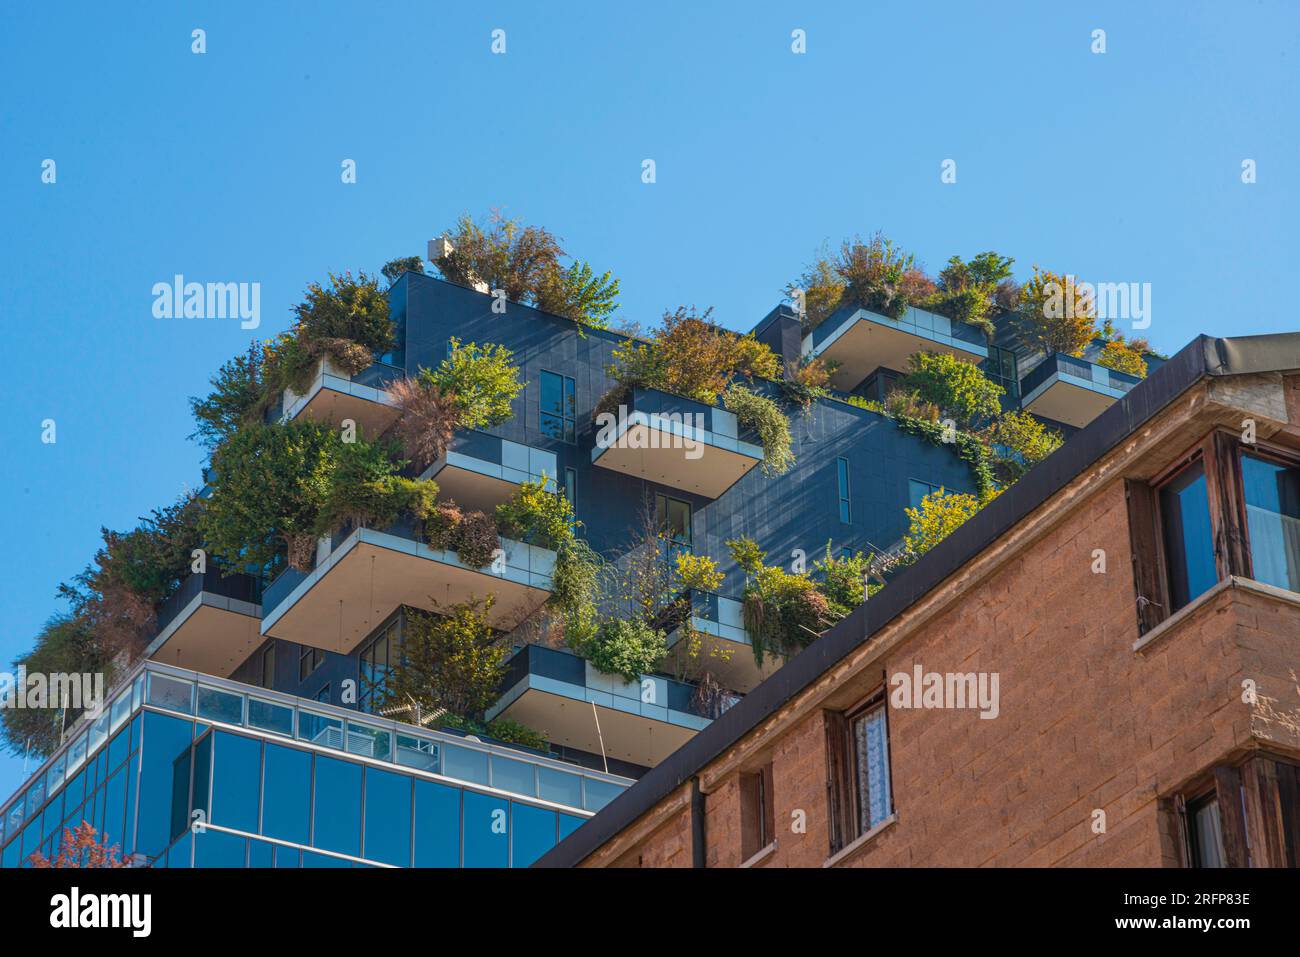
[[1203, 356]]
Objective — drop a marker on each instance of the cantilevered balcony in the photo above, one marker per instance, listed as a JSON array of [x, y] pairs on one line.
[[706, 633], [481, 471], [334, 396], [363, 575], [859, 342], [211, 624], [571, 703], [1071, 390], [676, 442]]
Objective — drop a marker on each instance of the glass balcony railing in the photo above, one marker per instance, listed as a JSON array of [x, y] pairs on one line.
[[1072, 390]]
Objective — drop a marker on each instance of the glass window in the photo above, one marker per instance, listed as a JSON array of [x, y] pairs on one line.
[[1206, 835], [1189, 542], [465, 764], [842, 474], [674, 516], [217, 705], [369, 741], [269, 716], [323, 696], [376, 664], [917, 491], [218, 849], [261, 854], [309, 659], [99, 731], [559, 407], [169, 738], [268, 666], [1273, 521], [559, 786], [532, 833], [599, 793], [487, 828], [871, 767], [437, 825], [320, 729], [170, 693], [571, 487], [236, 772], [388, 818], [121, 709], [337, 812], [416, 752], [569, 823], [517, 777], [286, 794]]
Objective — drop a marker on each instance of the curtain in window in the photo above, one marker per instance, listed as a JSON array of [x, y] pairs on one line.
[[1273, 521], [871, 760]]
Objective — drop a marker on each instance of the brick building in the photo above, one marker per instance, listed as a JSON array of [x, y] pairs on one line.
[[1116, 641]]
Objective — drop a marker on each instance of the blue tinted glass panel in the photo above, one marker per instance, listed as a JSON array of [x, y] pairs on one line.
[[312, 859], [532, 833], [517, 777], [165, 737], [288, 857], [171, 694], [261, 854], [337, 818], [437, 825], [600, 793], [236, 773], [486, 831], [179, 854], [269, 716], [223, 706], [569, 824], [215, 849], [12, 854], [464, 764], [388, 818], [114, 808], [119, 748], [1273, 521], [1189, 542], [286, 811], [559, 786]]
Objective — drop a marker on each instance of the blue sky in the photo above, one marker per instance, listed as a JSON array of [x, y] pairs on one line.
[[1122, 166]]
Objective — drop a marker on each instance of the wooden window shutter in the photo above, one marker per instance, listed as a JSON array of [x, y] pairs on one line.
[[839, 783], [1144, 540]]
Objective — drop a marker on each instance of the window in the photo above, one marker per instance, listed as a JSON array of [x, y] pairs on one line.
[[1188, 539], [674, 516], [571, 488], [917, 490], [842, 474], [858, 751], [268, 666], [1205, 833], [1000, 368], [1272, 497], [376, 663], [309, 659], [757, 817], [324, 694], [559, 407]]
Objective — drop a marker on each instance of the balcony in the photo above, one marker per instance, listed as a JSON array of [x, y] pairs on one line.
[[1071, 390], [573, 704], [724, 648], [362, 575], [677, 442], [481, 471], [862, 342], [334, 396], [211, 624]]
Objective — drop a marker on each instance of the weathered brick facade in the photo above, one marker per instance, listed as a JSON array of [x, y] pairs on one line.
[[1099, 729]]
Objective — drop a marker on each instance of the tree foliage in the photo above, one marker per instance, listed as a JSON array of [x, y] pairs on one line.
[[577, 293], [238, 391], [480, 382], [350, 309], [958, 388], [1054, 316], [451, 658], [394, 268], [938, 516]]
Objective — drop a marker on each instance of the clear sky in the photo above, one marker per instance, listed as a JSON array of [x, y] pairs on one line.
[[1120, 166]]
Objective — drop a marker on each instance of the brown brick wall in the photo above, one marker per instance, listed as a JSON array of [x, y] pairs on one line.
[[1086, 722]]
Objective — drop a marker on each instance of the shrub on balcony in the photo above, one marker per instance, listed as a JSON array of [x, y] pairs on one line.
[[502, 729], [1047, 320], [783, 612], [426, 420], [577, 293], [822, 289], [758, 412], [1125, 356], [270, 484], [872, 274], [394, 268], [480, 383], [473, 536], [628, 647], [938, 516], [956, 387], [844, 580], [353, 310], [1019, 443], [698, 572], [452, 658], [365, 491], [538, 515], [968, 291]]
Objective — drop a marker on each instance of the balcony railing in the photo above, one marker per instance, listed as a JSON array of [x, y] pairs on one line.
[[720, 644], [362, 575], [481, 471], [568, 700], [211, 624], [677, 442], [1072, 390], [861, 341], [334, 395]]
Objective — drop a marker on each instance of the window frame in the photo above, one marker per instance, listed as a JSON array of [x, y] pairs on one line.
[[317, 659], [843, 793], [844, 485], [568, 419], [1268, 452]]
